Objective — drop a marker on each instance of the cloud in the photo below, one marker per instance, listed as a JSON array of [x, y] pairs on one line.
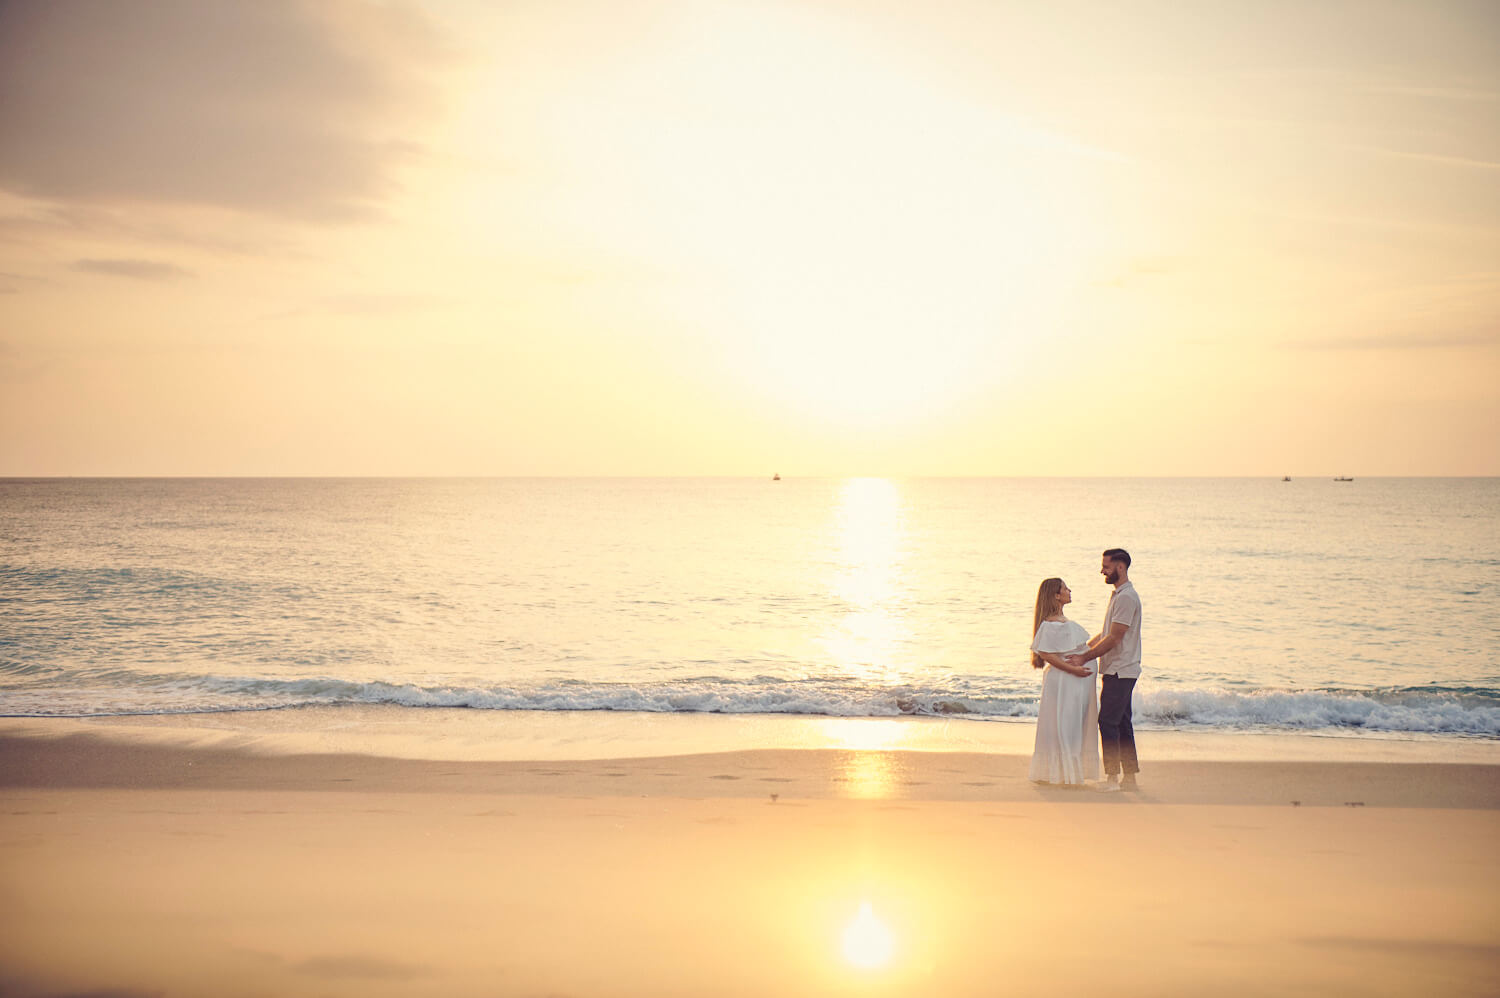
[[362, 967], [1430, 949], [1438, 93], [219, 231], [142, 270], [12, 283], [288, 108], [380, 303], [1464, 161], [1139, 269], [1400, 341], [1414, 225], [370, 304]]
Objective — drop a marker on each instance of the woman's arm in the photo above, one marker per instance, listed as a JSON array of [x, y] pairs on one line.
[[1056, 661], [1098, 646]]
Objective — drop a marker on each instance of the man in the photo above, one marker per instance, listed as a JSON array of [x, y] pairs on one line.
[[1118, 649]]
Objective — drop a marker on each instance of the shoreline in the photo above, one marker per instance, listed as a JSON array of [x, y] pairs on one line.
[[86, 758], [465, 734]]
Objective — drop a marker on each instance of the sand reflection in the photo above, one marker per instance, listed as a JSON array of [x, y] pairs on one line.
[[870, 769], [868, 942], [869, 775]]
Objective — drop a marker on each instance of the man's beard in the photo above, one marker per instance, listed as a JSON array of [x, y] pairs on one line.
[[1113, 578]]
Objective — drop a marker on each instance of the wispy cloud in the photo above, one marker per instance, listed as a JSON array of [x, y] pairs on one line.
[[10, 284], [1464, 161], [1414, 225], [1401, 341], [141, 270], [1437, 93], [218, 232], [1136, 270], [362, 967], [287, 108], [371, 304], [17, 367]]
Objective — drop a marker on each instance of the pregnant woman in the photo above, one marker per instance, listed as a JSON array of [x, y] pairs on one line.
[[1067, 722]]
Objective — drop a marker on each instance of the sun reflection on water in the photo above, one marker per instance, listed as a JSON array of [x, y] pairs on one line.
[[870, 535]]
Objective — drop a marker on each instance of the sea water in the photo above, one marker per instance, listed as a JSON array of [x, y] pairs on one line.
[[1368, 607]]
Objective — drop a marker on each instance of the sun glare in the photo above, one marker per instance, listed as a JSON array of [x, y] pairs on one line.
[[868, 943], [870, 536], [866, 241]]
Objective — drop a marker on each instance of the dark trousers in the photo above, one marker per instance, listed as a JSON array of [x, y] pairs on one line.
[[1115, 733]]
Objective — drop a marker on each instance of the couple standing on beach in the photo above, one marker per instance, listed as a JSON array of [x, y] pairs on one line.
[[1071, 723]]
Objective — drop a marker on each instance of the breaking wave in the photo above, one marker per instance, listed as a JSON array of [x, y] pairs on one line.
[[1419, 710]]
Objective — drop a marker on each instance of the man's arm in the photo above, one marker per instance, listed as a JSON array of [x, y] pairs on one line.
[[1103, 645], [1061, 662]]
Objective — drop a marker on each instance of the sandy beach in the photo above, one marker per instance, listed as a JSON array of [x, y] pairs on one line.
[[178, 864], [609, 500]]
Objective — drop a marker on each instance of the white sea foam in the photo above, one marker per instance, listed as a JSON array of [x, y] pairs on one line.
[[1415, 711], [1432, 712]]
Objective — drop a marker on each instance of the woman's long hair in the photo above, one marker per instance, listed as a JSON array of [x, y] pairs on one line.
[[1046, 606]]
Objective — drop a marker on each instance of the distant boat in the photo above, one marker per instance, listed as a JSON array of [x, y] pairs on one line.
[[776, 477], [1343, 479], [1286, 478]]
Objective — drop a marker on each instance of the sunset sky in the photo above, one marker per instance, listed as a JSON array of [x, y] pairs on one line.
[[701, 238]]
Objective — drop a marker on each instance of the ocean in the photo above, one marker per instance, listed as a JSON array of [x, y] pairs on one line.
[[1366, 608]]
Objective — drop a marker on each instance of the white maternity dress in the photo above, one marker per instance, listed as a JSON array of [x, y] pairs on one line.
[[1067, 720]]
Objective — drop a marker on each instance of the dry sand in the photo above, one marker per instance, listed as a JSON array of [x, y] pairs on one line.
[[136, 868]]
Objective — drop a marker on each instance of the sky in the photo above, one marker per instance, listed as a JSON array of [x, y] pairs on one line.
[[338, 237]]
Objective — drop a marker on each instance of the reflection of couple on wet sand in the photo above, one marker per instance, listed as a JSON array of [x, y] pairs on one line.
[[1070, 722]]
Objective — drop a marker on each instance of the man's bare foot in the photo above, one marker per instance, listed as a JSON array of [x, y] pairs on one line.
[[1128, 782], [1109, 786]]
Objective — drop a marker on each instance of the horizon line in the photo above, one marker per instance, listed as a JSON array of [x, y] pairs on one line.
[[685, 477]]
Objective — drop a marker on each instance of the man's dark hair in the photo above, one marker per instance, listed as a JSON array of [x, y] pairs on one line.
[[1120, 555]]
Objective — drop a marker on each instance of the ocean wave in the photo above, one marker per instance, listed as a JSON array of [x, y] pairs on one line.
[[1428, 711], [1415, 711]]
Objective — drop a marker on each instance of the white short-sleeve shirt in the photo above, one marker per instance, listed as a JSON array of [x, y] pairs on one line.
[[1124, 659]]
